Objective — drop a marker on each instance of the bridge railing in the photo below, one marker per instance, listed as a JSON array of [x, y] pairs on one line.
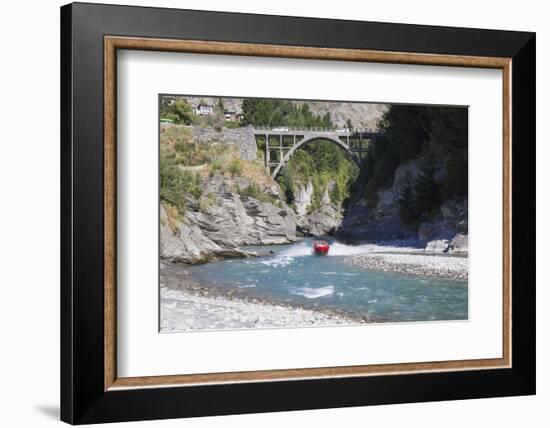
[[318, 129]]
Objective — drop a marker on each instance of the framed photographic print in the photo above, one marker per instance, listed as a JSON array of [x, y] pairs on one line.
[[316, 212]]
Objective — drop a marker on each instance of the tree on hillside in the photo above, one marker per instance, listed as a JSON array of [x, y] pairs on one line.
[[407, 130], [449, 138], [427, 196], [456, 181], [439, 136], [286, 181], [178, 111], [256, 111], [268, 112], [349, 125], [319, 162], [327, 121], [380, 163], [407, 204]]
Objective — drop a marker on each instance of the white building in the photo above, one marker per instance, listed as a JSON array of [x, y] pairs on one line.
[[204, 109]]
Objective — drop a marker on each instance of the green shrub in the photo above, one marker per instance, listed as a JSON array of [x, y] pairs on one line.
[[177, 110], [253, 191], [235, 166], [216, 165], [319, 162], [337, 193], [176, 184]]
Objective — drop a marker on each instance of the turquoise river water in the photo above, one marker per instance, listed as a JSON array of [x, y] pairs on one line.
[[292, 275]]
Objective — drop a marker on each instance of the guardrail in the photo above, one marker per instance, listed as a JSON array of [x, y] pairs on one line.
[[295, 130]]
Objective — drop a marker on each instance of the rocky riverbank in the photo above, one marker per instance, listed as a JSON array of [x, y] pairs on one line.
[[413, 263], [186, 305], [182, 310]]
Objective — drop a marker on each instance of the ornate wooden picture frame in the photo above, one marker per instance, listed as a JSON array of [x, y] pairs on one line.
[[91, 390]]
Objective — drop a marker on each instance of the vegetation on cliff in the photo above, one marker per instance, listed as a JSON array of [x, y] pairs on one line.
[[321, 163], [318, 162], [438, 136], [273, 112], [178, 111], [187, 165]]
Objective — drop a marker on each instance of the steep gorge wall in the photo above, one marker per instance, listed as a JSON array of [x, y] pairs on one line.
[[217, 231], [324, 220], [447, 231], [227, 203]]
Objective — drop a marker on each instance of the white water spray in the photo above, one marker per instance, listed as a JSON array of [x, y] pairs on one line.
[[336, 249]]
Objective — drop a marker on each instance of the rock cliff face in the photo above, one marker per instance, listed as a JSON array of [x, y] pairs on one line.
[[447, 232], [218, 232], [303, 199], [219, 222], [184, 241], [382, 222], [320, 221], [232, 221]]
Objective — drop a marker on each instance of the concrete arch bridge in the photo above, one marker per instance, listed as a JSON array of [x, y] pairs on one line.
[[281, 143]]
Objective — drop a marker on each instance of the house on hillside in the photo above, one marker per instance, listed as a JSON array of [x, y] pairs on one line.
[[204, 109], [231, 116]]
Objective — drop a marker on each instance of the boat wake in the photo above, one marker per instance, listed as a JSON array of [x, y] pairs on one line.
[[336, 249], [278, 261], [313, 293]]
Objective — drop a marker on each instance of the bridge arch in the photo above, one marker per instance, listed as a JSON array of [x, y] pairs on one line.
[[308, 139]]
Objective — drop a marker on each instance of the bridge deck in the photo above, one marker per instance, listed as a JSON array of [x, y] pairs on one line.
[[346, 138], [317, 131]]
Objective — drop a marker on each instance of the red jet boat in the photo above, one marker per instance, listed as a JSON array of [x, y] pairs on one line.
[[320, 248]]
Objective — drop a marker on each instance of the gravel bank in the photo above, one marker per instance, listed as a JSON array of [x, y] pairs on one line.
[[413, 262], [184, 310]]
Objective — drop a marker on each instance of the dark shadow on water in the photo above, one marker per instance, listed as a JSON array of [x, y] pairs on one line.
[[49, 410]]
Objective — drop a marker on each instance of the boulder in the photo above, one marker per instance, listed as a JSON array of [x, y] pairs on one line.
[[437, 246], [459, 244]]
